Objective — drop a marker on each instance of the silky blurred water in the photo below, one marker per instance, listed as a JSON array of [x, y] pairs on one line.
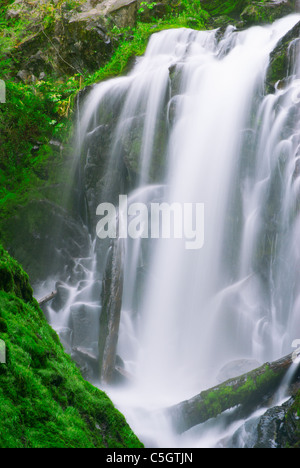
[[234, 149]]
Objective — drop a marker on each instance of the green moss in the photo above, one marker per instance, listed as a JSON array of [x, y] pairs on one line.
[[33, 117], [229, 394], [279, 68], [13, 279], [37, 113], [280, 59], [44, 402], [293, 415], [229, 7], [248, 12]]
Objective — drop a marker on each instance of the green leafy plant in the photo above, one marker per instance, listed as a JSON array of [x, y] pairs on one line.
[[147, 5]]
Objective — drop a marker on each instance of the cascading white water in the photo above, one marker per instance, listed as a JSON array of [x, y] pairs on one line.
[[236, 151]]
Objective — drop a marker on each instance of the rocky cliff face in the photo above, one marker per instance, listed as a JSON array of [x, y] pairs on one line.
[[79, 36], [247, 12], [69, 38], [282, 58]]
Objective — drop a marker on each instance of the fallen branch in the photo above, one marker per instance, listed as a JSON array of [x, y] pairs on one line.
[[251, 390], [47, 298]]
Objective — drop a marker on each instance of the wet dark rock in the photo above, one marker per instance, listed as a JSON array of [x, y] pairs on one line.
[[244, 13], [272, 429], [45, 239], [279, 68], [84, 44], [38, 64], [79, 40], [276, 428], [266, 12], [154, 10], [84, 324], [87, 361], [61, 298]]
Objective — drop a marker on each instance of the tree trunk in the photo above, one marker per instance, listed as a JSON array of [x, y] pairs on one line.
[[112, 290], [249, 391]]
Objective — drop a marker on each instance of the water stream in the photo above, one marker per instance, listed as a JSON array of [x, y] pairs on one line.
[[207, 134]]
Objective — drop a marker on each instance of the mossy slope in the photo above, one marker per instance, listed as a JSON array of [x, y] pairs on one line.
[[44, 401]]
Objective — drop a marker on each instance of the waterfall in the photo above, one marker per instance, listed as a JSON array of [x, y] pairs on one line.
[[191, 124]]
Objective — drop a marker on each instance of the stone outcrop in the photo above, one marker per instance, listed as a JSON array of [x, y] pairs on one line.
[[277, 428], [77, 41], [83, 38], [266, 12], [279, 68], [45, 239], [245, 13], [121, 12]]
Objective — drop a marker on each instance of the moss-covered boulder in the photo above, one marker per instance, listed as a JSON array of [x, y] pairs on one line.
[[123, 13], [278, 427], [266, 11], [248, 12], [44, 401], [13, 279], [231, 8], [56, 37], [67, 46]]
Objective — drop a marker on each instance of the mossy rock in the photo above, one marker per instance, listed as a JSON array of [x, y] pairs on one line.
[[266, 12], [44, 401], [278, 69], [231, 8], [248, 12], [13, 279], [251, 15], [44, 238]]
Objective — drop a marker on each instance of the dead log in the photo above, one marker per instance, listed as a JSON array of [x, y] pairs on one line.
[[250, 391], [112, 291], [48, 298]]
